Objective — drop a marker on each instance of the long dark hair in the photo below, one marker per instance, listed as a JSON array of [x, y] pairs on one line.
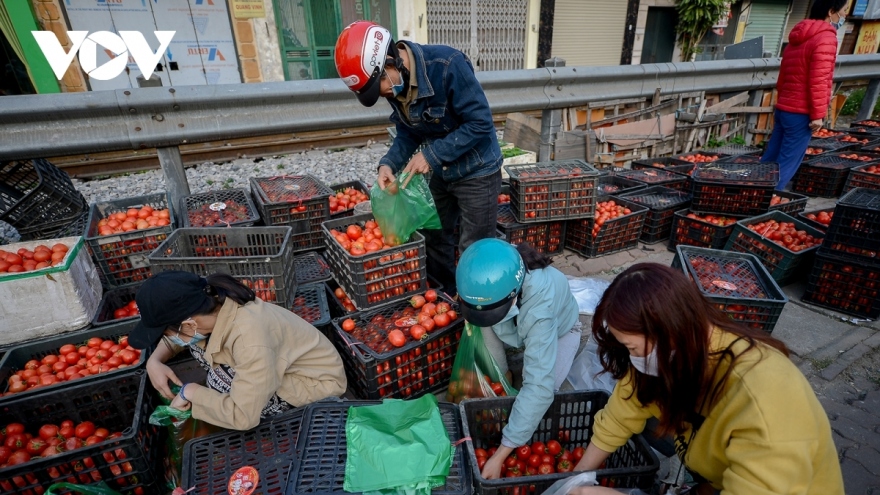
[[531, 257], [220, 286], [820, 8], [663, 305]]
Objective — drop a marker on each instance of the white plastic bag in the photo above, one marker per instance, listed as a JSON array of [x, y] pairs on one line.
[[587, 478], [586, 370], [587, 292]]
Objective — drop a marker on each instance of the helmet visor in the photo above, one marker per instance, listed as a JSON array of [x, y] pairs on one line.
[[369, 94], [485, 316]]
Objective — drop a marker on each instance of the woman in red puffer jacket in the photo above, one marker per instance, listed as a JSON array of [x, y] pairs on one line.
[[804, 86]]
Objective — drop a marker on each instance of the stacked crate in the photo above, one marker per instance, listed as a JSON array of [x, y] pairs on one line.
[[825, 175]]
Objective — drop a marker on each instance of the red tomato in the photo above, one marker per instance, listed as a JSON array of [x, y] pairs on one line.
[[48, 431], [120, 313], [441, 320], [348, 325], [417, 332], [13, 428], [539, 448], [577, 453], [523, 453], [128, 356], [72, 357], [354, 232], [431, 295], [66, 431], [19, 457], [553, 447], [5, 452], [95, 342], [397, 338], [35, 446], [67, 349]]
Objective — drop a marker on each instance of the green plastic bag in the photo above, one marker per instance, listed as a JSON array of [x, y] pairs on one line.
[[99, 488], [397, 447], [475, 372], [401, 211]]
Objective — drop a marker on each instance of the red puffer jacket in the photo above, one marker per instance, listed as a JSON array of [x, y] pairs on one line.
[[804, 83]]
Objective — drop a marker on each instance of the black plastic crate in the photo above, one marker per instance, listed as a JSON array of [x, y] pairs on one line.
[[662, 203], [112, 300], [270, 447], [825, 175], [77, 227], [569, 420], [737, 283], [301, 202], [708, 231], [855, 226], [129, 463], [614, 235], [319, 468], [784, 265], [613, 184], [789, 202], [845, 284], [809, 218], [735, 188], [869, 123], [16, 358], [348, 210], [701, 157], [310, 303], [656, 177], [336, 305], [855, 138], [311, 268], [867, 176], [377, 370], [547, 238], [741, 159], [259, 257], [122, 259], [546, 191], [378, 277], [227, 208], [734, 150], [827, 144], [661, 162], [35, 193]]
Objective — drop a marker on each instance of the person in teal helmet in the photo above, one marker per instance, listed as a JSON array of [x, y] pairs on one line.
[[520, 300]]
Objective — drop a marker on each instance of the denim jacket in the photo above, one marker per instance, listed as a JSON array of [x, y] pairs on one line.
[[450, 116], [547, 311]]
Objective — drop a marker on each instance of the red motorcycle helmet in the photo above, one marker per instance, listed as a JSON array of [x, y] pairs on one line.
[[361, 54]]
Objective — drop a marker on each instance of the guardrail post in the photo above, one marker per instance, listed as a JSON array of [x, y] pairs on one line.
[[551, 120], [867, 108], [176, 185]]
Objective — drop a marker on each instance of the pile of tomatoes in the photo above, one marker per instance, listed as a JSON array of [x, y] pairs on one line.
[[824, 217], [719, 220], [552, 171], [346, 199], [778, 200], [126, 311], [344, 300], [853, 139], [359, 241], [73, 362], [699, 158], [308, 312], [857, 157], [814, 151], [467, 384], [219, 213], [405, 326], [19, 446], [141, 218], [871, 169], [25, 260], [844, 285], [503, 198], [605, 211], [264, 288], [536, 459], [786, 235], [825, 133], [733, 278]]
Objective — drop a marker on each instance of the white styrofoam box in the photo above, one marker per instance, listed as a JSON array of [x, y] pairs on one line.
[[52, 300], [526, 157]]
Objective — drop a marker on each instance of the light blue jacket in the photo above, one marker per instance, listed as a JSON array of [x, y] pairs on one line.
[[547, 311]]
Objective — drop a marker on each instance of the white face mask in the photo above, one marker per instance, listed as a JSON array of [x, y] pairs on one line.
[[648, 364]]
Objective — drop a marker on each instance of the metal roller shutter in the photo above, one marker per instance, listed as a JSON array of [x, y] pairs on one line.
[[799, 9], [767, 18], [589, 32]]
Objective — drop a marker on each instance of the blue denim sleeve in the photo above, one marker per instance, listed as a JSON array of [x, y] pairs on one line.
[[468, 101], [539, 359], [402, 149]]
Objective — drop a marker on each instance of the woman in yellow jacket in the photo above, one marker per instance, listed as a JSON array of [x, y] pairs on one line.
[[261, 359], [744, 419]]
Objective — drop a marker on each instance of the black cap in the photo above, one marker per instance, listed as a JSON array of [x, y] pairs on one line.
[[486, 316], [166, 298]]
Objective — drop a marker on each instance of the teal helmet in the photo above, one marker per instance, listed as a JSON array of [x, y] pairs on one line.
[[490, 274]]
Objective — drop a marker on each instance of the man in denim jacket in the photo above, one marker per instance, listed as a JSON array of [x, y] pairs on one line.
[[438, 104]]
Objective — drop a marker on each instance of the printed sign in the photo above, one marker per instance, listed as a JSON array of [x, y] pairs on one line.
[[869, 38], [248, 9]]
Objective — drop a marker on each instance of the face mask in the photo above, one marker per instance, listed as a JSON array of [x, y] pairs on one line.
[[396, 89], [513, 312], [840, 21], [195, 339], [648, 364]]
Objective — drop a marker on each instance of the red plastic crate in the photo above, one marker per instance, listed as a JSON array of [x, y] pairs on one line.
[[861, 177], [735, 188], [541, 192], [379, 277], [700, 232], [301, 202], [737, 283], [845, 284], [617, 234], [547, 238], [376, 370]]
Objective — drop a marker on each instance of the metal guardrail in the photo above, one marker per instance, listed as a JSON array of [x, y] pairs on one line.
[[62, 124]]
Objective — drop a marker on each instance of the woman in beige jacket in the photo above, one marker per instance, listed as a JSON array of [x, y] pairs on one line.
[[261, 359]]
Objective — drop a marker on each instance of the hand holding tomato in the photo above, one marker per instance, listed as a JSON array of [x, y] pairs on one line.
[[492, 469]]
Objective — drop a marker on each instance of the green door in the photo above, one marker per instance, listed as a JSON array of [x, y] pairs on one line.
[[659, 37], [307, 32]]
